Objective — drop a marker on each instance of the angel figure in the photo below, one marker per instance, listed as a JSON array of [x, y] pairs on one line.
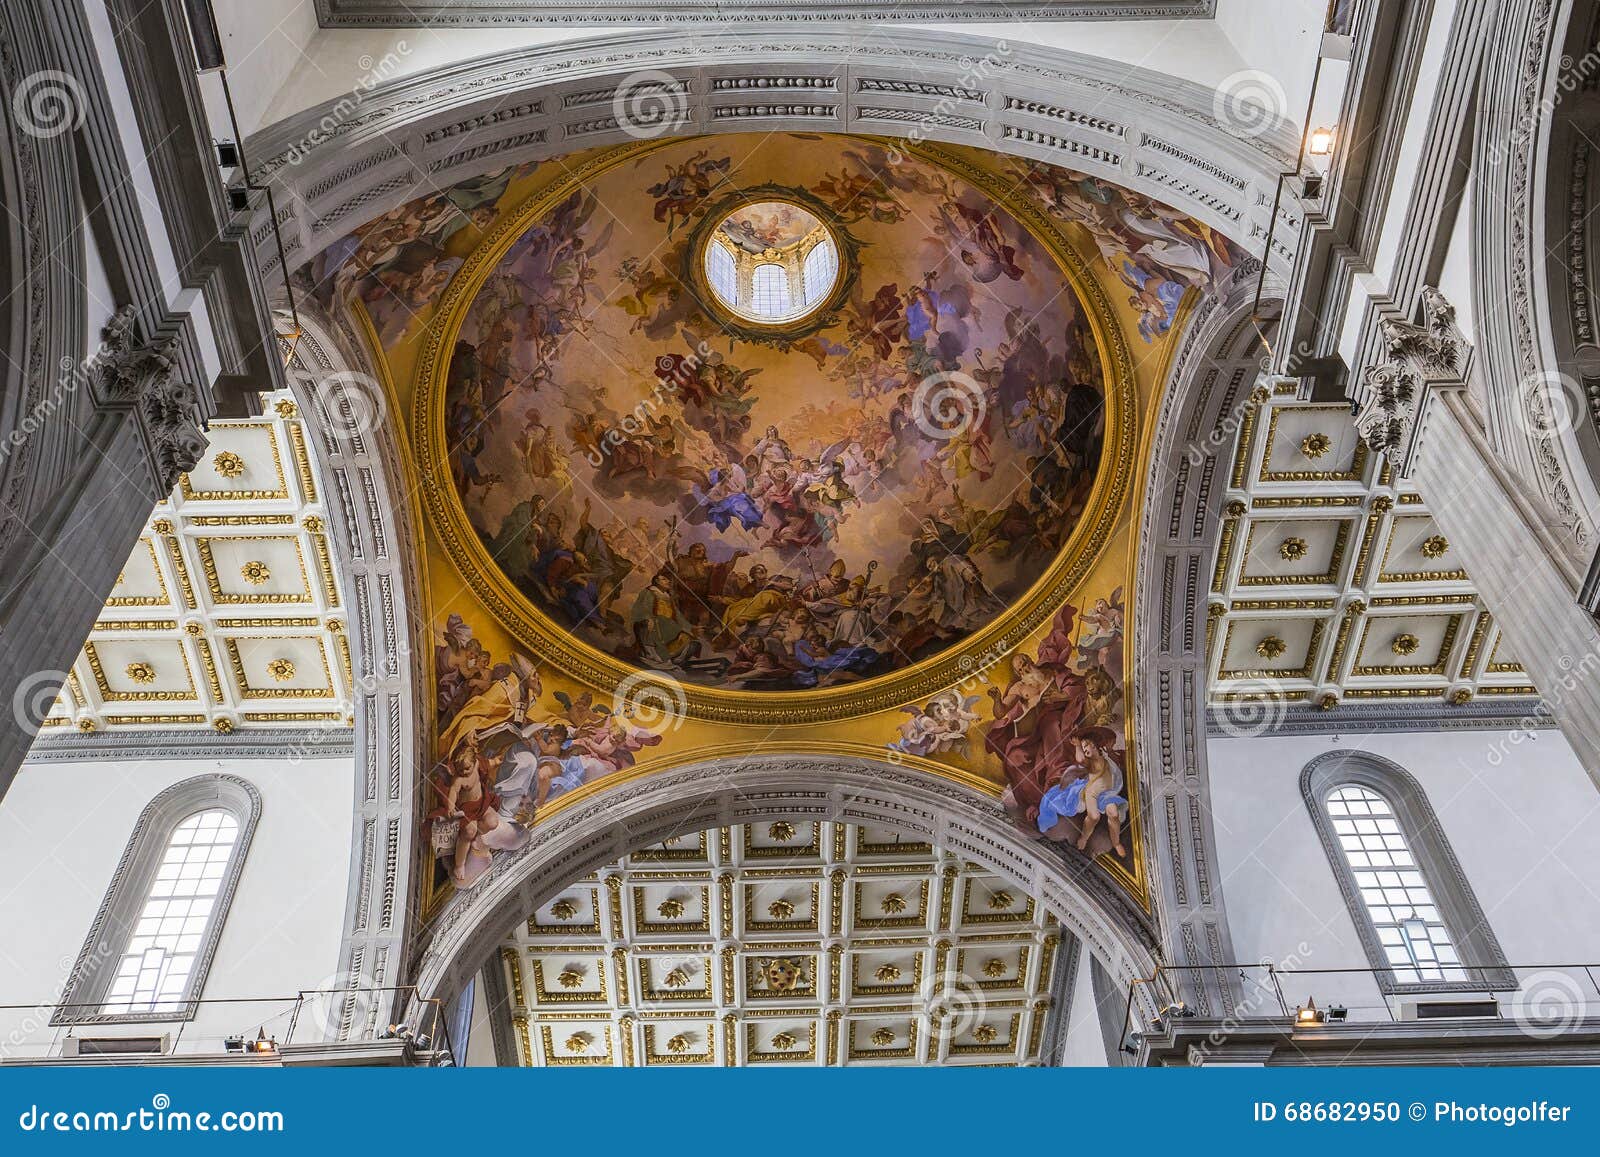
[[938, 727]]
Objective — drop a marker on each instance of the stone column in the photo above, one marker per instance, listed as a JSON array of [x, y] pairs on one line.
[[141, 432], [1414, 407]]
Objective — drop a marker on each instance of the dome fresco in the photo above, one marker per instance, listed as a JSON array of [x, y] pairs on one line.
[[779, 510]]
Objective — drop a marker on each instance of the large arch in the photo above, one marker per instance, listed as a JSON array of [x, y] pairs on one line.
[[1210, 393], [614, 821], [1531, 198], [344, 162], [357, 460]]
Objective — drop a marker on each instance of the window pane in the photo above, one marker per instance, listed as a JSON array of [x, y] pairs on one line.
[[153, 973], [769, 291], [1396, 894]]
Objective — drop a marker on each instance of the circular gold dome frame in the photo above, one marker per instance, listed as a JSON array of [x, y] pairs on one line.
[[552, 644], [779, 333]]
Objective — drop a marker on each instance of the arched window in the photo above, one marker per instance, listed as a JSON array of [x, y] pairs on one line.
[[151, 944], [1419, 922], [769, 291], [720, 268], [820, 270]]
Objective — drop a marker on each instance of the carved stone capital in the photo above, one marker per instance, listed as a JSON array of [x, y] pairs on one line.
[[1391, 396], [142, 379]]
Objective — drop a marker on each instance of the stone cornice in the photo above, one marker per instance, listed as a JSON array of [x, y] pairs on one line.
[[178, 744], [346, 161], [484, 13]]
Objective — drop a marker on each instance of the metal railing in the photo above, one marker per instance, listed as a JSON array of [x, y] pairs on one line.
[[1544, 999], [235, 1025]]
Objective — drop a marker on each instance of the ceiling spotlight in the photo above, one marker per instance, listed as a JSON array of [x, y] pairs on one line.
[[238, 198], [1320, 142], [1337, 1014], [227, 155], [1308, 1013]]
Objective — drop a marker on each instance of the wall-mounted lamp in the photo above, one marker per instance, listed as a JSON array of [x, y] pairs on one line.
[[1320, 142], [1308, 1014]]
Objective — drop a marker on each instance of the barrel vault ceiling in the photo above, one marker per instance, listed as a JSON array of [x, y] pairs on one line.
[[782, 944]]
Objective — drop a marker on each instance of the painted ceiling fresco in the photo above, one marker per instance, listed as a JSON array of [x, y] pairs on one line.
[[777, 514], [774, 516]]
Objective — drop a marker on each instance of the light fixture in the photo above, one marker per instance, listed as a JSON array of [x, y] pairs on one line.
[[1337, 1014], [227, 155], [1308, 1013], [262, 1043], [1320, 142]]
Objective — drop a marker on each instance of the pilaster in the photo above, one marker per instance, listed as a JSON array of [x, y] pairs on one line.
[[1413, 406]]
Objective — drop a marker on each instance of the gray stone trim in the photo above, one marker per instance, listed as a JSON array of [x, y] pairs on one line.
[[617, 820], [1469, 927], [288, 744], [1373, 718], [1111, 1012], [344, 162], [497, 999], [1523, 393], [84, 461], [1063, 986], [490, 13], [130, 885]]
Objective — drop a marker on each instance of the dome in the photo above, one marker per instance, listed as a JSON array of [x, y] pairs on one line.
[[843, 411]]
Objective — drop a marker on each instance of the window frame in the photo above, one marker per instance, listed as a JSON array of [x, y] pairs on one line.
[[85, 991], [1481, 958]]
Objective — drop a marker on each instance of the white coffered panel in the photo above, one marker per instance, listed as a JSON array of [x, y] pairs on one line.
[[783, 943], [227, 614], [1332, 583]]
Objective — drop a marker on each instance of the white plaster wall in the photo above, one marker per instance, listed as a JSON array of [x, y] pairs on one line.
[[1455, 278], [63, 829], [1518, 809]]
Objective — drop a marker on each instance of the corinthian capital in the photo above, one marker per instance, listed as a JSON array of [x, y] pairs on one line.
[[1392, 395], [141, 378]]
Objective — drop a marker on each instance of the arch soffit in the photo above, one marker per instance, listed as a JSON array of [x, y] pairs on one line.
[[1195, 428], [602, 828], [369, 512], [346, 161]]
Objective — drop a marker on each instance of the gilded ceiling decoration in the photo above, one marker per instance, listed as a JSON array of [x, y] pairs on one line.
[[884, 515], [227, 614], [1333, 585], [962, 975]]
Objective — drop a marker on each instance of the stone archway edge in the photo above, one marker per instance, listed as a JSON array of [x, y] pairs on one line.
[[347, 160], [615, 821]]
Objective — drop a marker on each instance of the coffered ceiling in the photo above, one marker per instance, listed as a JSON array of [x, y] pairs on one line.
[[782, 944], [227, 614], [1333, 585]]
